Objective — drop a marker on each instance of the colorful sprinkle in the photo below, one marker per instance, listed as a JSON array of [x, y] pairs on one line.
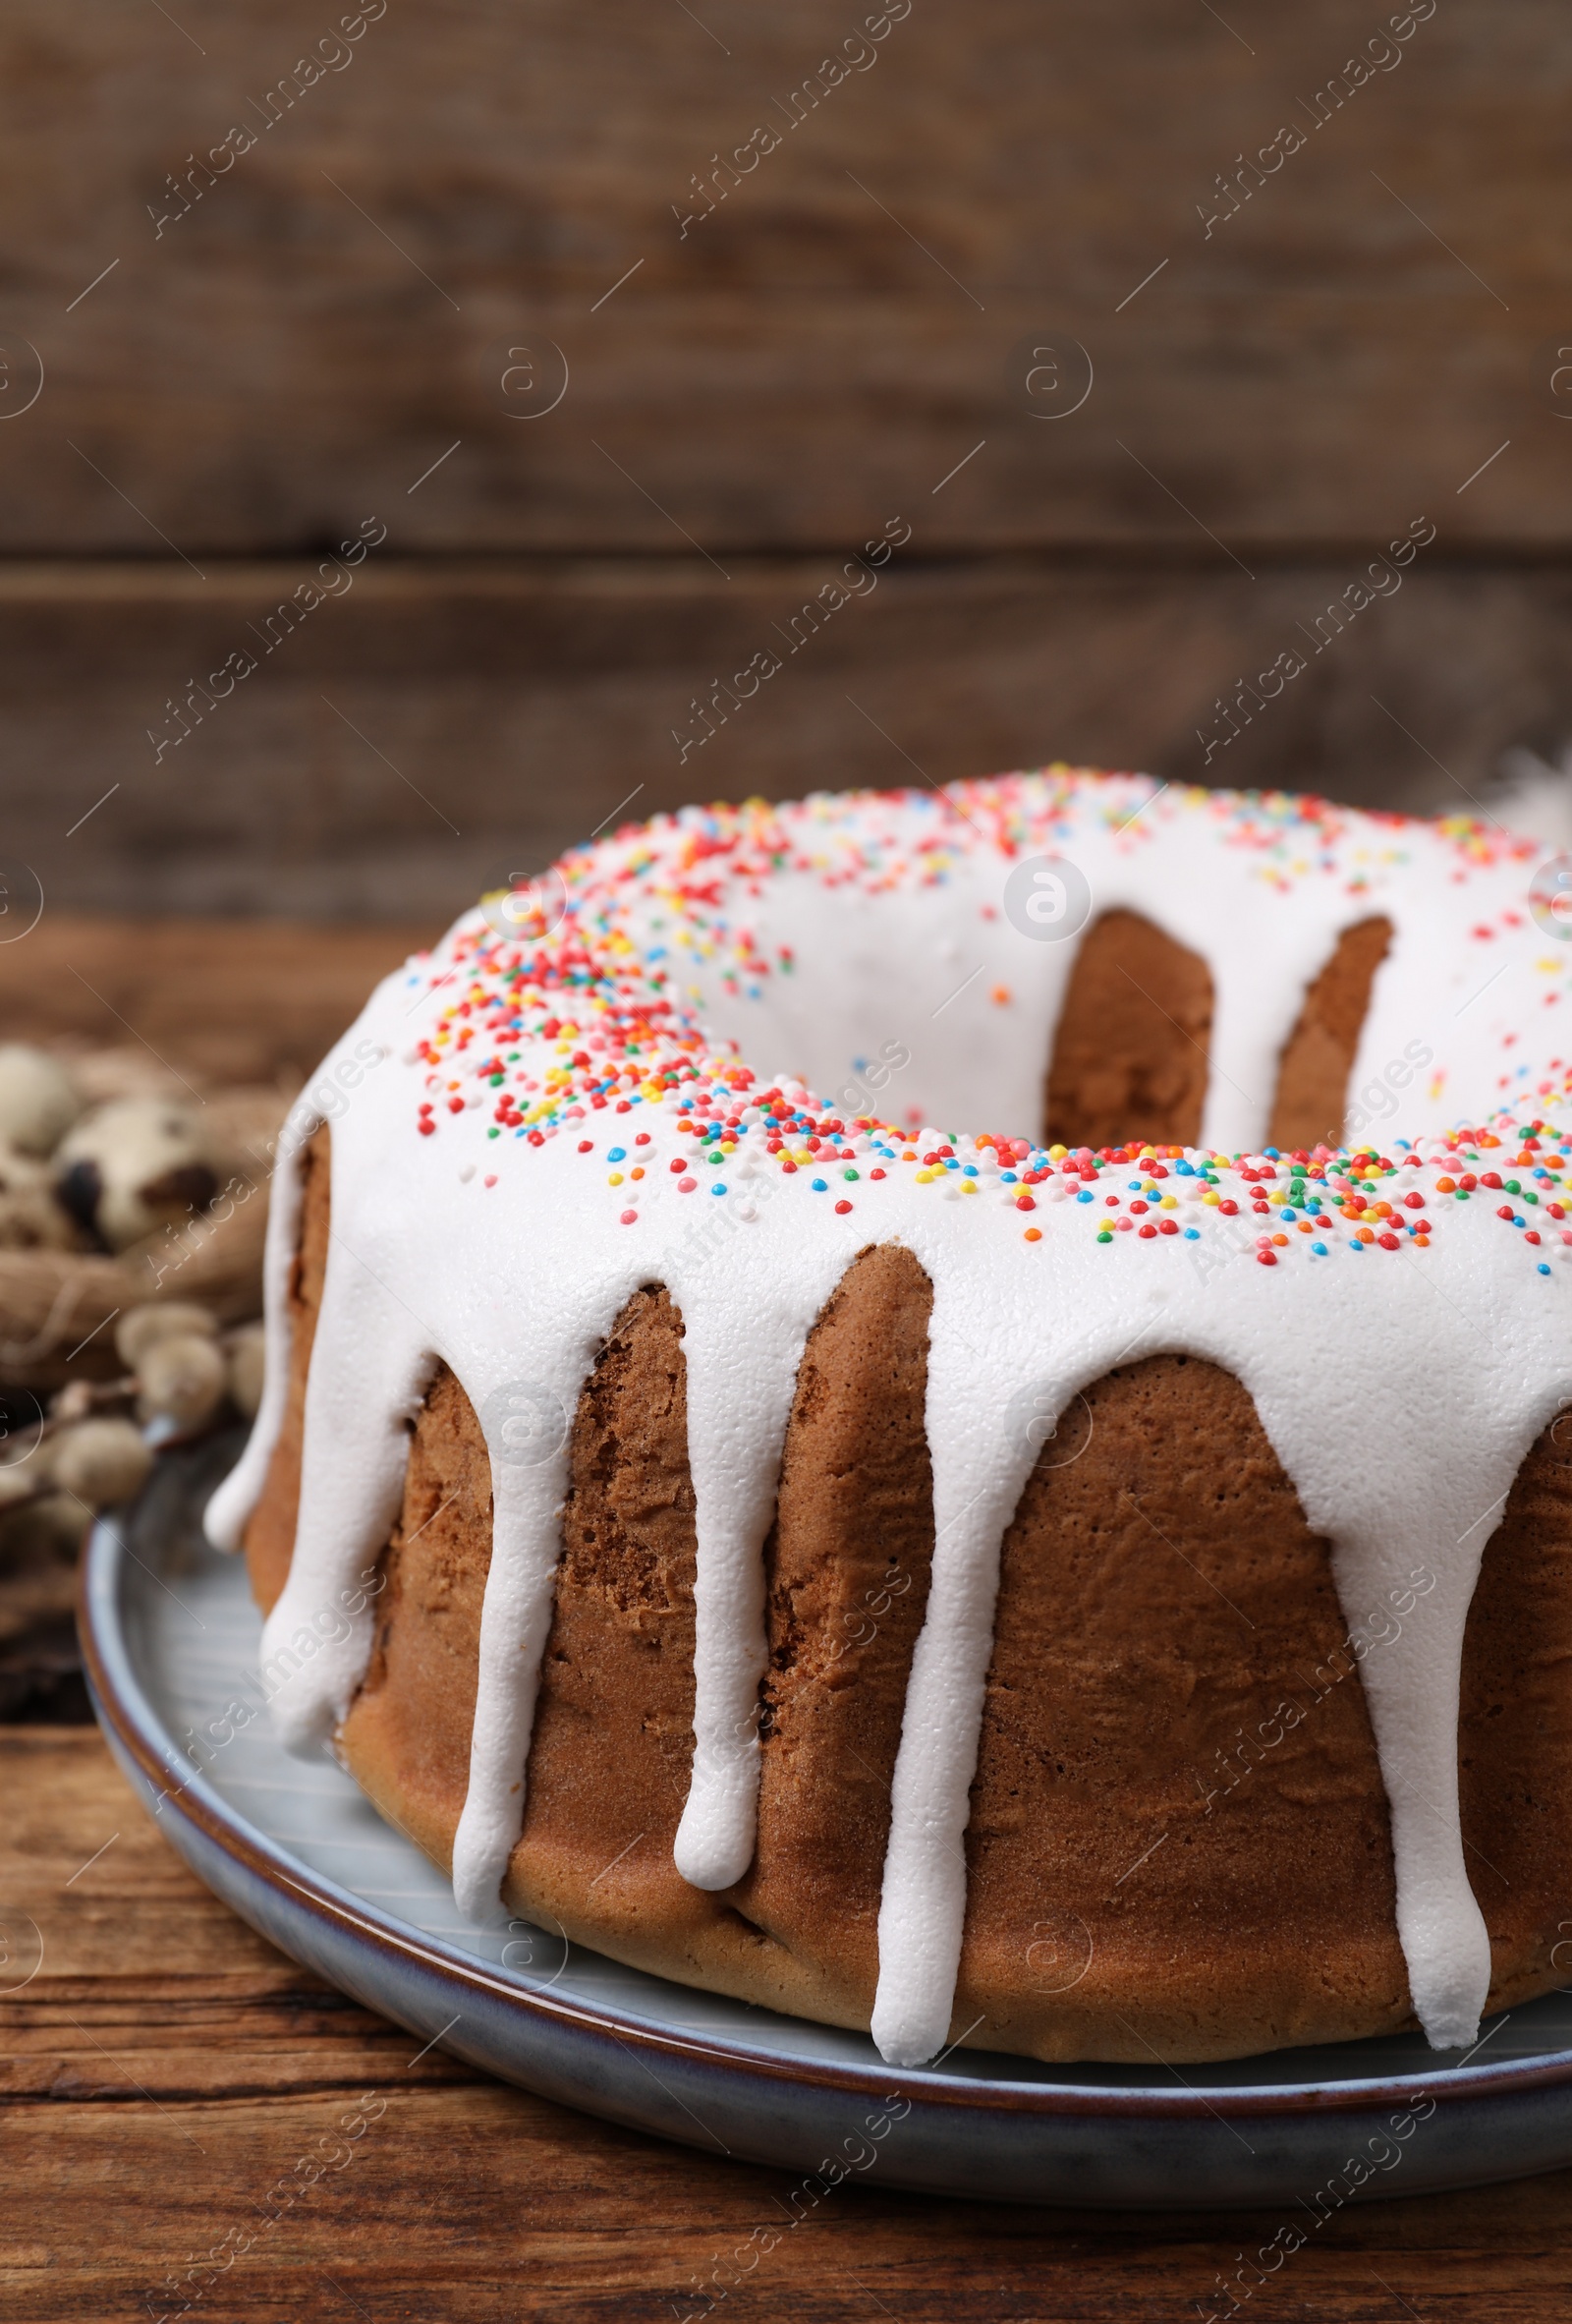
[[540, 1028]]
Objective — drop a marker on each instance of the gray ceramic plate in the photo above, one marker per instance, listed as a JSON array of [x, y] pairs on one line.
[[170, 1638]]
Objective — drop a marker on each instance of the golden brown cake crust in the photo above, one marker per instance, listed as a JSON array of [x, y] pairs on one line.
[[1131, 1048], [1311, 1102], [407, 1735], [1178, 1842], [1515, 1728], [1185, 1834]]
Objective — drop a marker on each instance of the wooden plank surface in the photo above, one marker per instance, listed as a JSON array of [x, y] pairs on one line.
[[446, 723], [228, 1000], [354, 327], [333, 308], [165, 2069]]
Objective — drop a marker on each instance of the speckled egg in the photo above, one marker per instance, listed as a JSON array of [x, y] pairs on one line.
[[38, 1100], [133, 1167]]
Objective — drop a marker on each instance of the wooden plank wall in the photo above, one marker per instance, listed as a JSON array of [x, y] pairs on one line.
[[606, 337]]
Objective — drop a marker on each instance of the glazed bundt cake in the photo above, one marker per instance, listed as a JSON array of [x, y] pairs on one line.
[[1096, 1587]]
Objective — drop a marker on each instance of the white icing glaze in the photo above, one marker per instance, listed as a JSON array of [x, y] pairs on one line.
[[742, 1370], [233, 1503], [509, 1261]]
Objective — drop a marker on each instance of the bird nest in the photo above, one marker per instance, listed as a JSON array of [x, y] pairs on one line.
[[58, 1306]]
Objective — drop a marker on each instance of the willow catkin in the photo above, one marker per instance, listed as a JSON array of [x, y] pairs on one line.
[[101, 1463], [247, 1364], [171, 1318], [180, 1379]]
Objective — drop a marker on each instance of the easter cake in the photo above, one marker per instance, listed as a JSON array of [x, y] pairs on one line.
[[1098, 1586]]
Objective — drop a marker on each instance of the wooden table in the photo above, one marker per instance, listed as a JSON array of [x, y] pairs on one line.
[[166, 2071]]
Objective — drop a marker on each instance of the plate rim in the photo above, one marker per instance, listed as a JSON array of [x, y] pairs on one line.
[[129, 1719]]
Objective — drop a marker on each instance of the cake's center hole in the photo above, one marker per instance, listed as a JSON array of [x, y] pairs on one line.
[[1132, 1054], [1130, 1059]]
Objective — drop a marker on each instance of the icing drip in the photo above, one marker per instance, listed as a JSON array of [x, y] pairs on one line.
[[978, 1477], [742, 1359], [560, 1112], [370, 1366], [514, 1624], [233, 1503]]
